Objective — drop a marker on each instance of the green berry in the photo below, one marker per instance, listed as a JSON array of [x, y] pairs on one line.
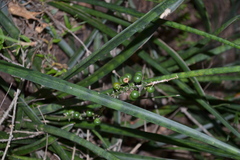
[[134, 94], [132, 99], [66, 113], [76, 115], [89, 113], [71, 111], [116, 85], [139, 73], [131, 84], [128, 75], [124, 79], [150, 89], [137, 78], [97, 121]]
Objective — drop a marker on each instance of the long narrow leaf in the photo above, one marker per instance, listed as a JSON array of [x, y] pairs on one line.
[[139, 41], [203, 13], [70, 136], [167, 23], [200, 72], [198, 88], [160, 139], [86, 94], [8, 26], [128, 32]]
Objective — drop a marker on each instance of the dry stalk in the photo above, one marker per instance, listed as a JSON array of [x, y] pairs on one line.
[[13, 106], [184, 110]]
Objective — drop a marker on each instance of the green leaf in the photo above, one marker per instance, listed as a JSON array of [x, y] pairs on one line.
[[199, 4], [8, 26], [67, 22], [70, 136], [110, 102], [119, 38]]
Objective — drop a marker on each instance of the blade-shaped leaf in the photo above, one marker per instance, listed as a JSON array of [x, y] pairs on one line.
[[86, 94], [141, 23]]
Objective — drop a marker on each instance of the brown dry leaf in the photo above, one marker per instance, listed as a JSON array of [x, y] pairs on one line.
[[18, 10], [59, 65], [40, 28], [85, 4], [21, 11]]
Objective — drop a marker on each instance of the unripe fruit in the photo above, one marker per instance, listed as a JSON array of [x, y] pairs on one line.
[[134, 94], [150, 89], [89, 113], [128, 75], [97, 121], [69, 112], [116, 85], [137, 78], [76, 115], [125, 80], [139, 73]]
